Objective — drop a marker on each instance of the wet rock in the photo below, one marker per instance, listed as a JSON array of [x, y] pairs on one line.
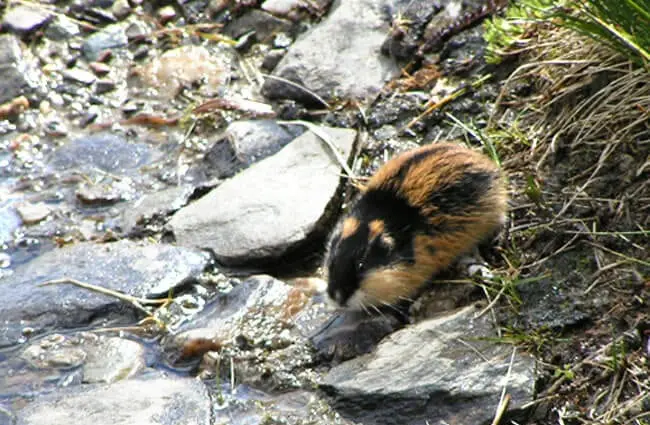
[[100, 194], [325, 60], [9, 221], [351, 334], [104, 86], [245, 143], [263, 24], [292, 8], [121, 9], [252, 330], [451, 374], [18, 72], [157, 205], [246, 405], [270, 208], [23, 19], [104, 151], [33, 213], [137, 269], [111, 359], [148, 401], [110, 37], [79, 76], [272, 59], [185, 66], [61, 28]]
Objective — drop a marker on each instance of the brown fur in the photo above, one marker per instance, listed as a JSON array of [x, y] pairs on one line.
[[350, 226], [376, 228], [447, 165]]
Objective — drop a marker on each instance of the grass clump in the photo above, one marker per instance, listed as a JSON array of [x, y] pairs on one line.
[[623, 25]]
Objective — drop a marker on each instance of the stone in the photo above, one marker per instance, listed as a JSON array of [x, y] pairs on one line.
[[184, 66], [110, 37], [79, 76], [251, 329], [146, 401], [61, 28], [111, 359], [24, 19], [325, 60], [442, 370], [19, 74], [134, 268], [350, 334], [154, 205], [33, 213], [9, 221], [244, 143], [272, 208], [263, 24], [104, 86], [100, 194], [107, 152]]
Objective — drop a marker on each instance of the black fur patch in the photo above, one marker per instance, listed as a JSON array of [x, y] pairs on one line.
[[464, 194]]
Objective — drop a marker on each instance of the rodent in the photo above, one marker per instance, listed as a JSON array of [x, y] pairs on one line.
[[416, 215]]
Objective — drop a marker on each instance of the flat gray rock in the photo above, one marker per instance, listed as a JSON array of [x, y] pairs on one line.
[[270, 208], [438, 370], [340, 57], [25, 18], [19, 74], [154, 401], [110, 37], [105, 151], [137, 269], [247, 142]]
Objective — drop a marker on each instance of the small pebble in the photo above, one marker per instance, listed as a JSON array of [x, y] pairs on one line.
[[166, 14], [99, 68], [104, 86], [33, 213], [79, 75]]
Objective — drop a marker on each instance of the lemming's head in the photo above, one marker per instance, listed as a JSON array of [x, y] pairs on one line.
[[356, 250]]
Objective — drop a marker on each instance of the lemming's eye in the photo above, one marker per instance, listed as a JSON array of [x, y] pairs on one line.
[[360, 265]]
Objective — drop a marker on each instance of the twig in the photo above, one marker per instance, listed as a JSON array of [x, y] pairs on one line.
[[135, 301]]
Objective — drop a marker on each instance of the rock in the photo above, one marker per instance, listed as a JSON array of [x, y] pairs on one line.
[[153, 401], [291, 8], [104, 86], [250, 406], [19, 74], [271, 208], [100, 194], [110, 37], [24, 19], [79, 76], [350, 334], [272, 59], [184, 66], [155, 205], [263, 24], [61, 28], [440, 370], [104, 151], [251, 329], [111, 359], [245, 143], [121, 9], [9, 221], [137, 269], [33, 213], [325, 60]]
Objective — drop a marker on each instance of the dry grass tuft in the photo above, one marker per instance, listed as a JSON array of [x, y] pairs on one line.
[[572, 124]]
